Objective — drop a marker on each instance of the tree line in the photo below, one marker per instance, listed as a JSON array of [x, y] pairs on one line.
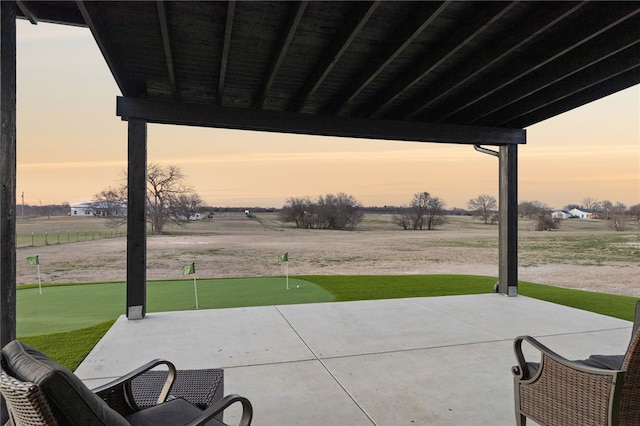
[[170, 199]]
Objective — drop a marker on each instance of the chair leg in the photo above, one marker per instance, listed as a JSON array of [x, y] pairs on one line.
[[521, 419]]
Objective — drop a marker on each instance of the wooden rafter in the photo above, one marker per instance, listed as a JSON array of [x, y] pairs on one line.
[[426, 14], [444, 49], [570, 38], [281, 51], [166, 43], [589, 94], [589, 66], [475, 67], [106, 53], [348, 31], [226, 47]]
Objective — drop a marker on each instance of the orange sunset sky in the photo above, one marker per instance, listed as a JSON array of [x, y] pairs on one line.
[[71, 145]]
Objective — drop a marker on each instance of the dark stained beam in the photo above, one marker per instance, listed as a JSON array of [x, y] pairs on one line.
[[575, 33], [349, 29], [7, 178], [166, 43], [136, 220], [505, 45], [441, 51], [281, 51], [508, 227], [7, 172], [425, 14], [226, 46], [289, 122]]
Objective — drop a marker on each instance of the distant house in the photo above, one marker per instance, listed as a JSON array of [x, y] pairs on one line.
[[99, 208], [581, 214], [84, 209], [560, 214]]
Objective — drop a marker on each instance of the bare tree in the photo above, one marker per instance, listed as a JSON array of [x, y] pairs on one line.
[[634, 213], [299, 211], [168, 198], [546, 222], [617, 216], [164, 184], [483, 206], [419, 209], [186, 205], [532, 208], [339, 211], [425, 211], [402, 218], [590, 203], [111, 202], [434, 213]]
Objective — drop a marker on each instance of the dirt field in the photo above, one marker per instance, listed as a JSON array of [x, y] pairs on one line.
[[582, 254]]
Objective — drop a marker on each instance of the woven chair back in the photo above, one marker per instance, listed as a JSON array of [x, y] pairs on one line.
[[26, 403], [630, 395]]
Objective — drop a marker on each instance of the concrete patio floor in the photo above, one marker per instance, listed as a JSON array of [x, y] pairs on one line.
[[417, 361]]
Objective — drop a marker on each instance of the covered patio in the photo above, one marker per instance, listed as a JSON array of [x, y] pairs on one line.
[[443, 72], [421, 361]]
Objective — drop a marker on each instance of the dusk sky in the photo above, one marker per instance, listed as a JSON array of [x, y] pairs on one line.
[[71, 145]]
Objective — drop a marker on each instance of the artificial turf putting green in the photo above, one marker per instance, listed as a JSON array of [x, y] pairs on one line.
[[64, 308]]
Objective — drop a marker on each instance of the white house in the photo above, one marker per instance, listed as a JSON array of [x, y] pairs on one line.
[[581, 214], [99, 208], [84, 209]]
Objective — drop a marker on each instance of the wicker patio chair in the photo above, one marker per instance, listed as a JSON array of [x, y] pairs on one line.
[[614, 362], [560, 392], [40, 392], [26, 403]]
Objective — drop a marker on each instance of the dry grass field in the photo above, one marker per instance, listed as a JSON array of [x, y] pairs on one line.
[[583, 254]]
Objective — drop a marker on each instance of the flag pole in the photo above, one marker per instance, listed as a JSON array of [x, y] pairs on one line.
[[286, 268], [39, 280], [195, 289]]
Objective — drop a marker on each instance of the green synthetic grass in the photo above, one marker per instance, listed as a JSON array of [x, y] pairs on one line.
[[613, 305], [367, 287], [66, 321], [69, 348]]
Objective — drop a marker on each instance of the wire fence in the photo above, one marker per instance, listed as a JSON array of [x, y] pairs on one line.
[[37, 239]]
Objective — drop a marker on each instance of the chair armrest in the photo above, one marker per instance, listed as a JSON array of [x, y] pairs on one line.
[[122, 385], [221, 405], [522, 369], [562, 391]]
